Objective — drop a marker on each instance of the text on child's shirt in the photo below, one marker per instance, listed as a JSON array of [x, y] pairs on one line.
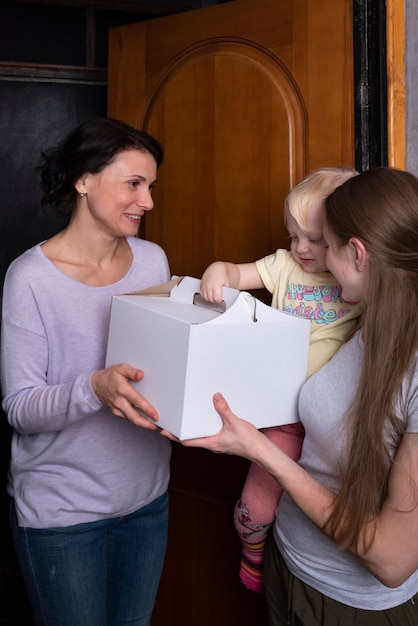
[[308, 302]]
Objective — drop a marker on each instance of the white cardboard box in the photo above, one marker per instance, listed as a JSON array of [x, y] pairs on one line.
[[256, 356]]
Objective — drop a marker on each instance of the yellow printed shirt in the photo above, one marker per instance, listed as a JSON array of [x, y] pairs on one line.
[[316, 297]]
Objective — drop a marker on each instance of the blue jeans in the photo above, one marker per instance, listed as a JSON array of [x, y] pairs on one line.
[[103, 573]]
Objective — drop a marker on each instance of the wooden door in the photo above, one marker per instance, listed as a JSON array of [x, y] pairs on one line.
[[247, 97]]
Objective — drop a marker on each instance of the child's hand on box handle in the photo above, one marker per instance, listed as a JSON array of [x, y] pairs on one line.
[[112, 387], [220, 274], [216, 276]]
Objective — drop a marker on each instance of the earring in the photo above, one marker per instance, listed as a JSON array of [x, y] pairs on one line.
[[81, 194]]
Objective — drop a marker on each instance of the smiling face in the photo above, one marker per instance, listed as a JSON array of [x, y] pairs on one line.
[[308, 246], [118, 196]]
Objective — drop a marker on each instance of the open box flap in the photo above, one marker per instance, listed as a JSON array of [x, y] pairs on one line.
[[162, 290]]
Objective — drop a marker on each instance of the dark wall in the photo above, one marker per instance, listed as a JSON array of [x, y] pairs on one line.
[[34, 116]]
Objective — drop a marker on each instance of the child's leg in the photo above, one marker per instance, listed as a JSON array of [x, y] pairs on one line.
[[254, 512]]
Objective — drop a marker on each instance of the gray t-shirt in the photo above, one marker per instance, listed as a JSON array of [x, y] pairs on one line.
[[309, 554], [72, 460]]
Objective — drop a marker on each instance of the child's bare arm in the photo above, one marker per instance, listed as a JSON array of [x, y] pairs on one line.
[[224, 274]]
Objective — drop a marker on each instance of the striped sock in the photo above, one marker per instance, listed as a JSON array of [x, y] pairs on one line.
[[251, 566]]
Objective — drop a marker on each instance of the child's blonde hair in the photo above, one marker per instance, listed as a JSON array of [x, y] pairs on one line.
[[312, 191]]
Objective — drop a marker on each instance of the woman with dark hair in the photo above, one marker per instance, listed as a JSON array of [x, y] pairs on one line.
[[89, 472], [344, 546]]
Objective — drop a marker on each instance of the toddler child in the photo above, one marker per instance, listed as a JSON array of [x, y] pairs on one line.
[[300, 284]]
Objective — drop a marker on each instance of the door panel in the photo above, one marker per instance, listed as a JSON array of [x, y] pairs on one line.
[[238, 105], [247, 97]]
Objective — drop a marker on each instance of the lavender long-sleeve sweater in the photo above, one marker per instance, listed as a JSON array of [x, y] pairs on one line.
[[72, 460]]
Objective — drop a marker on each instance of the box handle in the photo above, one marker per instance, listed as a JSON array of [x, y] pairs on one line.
[[220, 307], [198, 300]]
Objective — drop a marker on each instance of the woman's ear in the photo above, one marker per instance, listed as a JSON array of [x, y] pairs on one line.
[[360, 253], [80, 185]]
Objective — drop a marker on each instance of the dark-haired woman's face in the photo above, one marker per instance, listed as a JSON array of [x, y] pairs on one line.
[[118, 196]]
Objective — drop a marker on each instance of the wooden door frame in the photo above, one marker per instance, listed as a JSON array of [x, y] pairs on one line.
[[396, 83]]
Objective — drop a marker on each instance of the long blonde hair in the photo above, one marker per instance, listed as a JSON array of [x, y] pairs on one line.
[[380, 208]]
